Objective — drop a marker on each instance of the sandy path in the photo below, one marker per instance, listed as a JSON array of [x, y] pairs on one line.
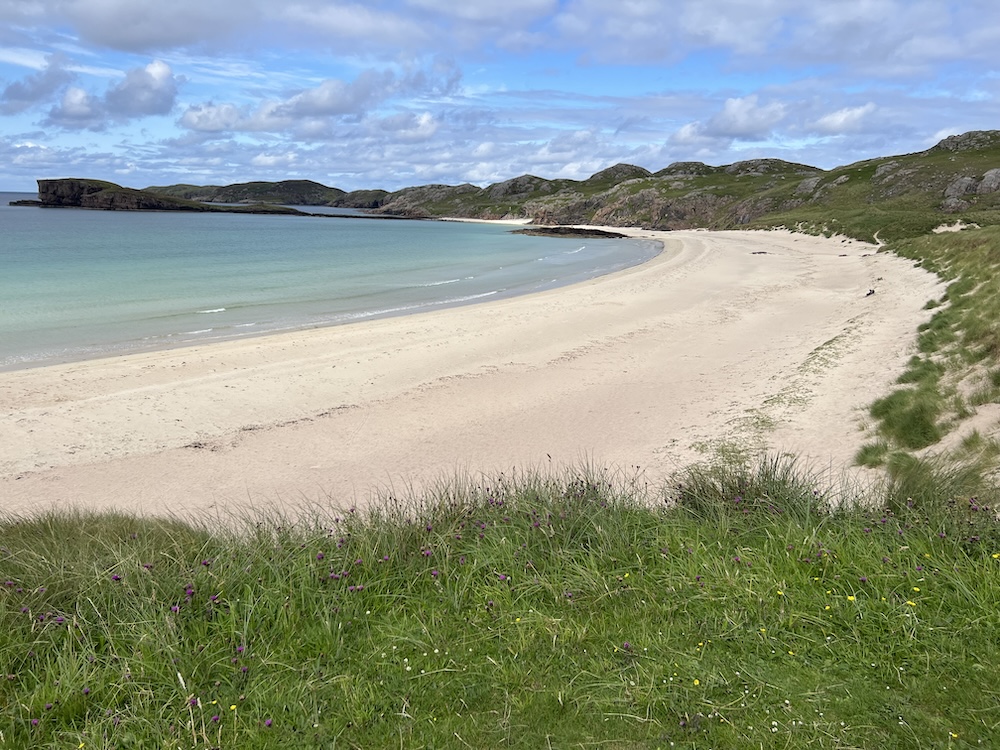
[[762, 339]]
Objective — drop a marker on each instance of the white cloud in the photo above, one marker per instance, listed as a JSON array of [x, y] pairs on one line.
[[741, 118], [142, 26], [844, 120], [410, 128], [353, 27], [77, 110], [211, 118], [271, 161], [145, 91], [337, 97], [36, 88]]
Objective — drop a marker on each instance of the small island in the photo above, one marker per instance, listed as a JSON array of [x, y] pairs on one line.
[[107, 196]]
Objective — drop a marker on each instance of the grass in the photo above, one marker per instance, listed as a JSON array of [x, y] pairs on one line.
[[953, 372], [741, 609]]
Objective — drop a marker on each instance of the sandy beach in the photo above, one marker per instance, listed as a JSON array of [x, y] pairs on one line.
[[763, 340]]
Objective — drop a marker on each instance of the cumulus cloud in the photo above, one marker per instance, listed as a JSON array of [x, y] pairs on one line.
[[409, 127], [145, 91], [78, 110], [150, 90], [212, 118], [844, 120], [310, 111], [336, 97], [35, 88], [741, 119]]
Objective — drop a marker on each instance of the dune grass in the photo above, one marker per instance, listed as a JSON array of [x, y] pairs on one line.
[[738, 608], [953, 372]]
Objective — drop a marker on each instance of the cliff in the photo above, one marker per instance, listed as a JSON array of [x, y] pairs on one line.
[[107, 196]]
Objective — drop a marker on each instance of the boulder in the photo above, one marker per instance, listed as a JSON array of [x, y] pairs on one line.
[[959, 187], [990, 182]]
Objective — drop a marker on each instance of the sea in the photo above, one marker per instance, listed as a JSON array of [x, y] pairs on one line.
[[78, 284]]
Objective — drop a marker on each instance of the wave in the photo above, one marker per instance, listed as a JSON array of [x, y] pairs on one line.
[[574, 252], [214, 310], [442, 283], [418, 306]]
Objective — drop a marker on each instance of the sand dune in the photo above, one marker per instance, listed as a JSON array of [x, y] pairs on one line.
[[757, 339]]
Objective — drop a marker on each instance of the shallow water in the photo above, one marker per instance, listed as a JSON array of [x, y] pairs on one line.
[[76, 284]]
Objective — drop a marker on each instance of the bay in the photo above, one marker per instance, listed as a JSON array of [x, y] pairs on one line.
[[77, 284]]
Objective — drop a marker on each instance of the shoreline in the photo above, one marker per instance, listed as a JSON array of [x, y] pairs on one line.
[[750, 339], [190, 339]]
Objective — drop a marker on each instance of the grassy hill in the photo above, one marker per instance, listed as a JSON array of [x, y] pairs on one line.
[[288, 192], [896, 196]]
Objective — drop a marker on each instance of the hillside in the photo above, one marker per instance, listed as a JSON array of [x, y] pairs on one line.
[[288, 192], [893, 197], [102, 195], [902, 196]]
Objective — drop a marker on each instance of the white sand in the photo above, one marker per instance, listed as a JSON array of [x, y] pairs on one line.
[[762, 339]]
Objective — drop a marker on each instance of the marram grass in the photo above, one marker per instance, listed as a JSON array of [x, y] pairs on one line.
[[740, 610]]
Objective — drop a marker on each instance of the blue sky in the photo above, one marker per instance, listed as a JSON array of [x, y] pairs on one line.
[[391, 93]]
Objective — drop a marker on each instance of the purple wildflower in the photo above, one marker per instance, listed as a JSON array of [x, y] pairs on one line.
[[267, 722], [320, 555]]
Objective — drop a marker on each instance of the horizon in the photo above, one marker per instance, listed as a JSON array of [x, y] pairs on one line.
[[415, 92]]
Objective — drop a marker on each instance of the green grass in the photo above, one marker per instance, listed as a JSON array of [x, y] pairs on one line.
[[741, 610], [958, 345]]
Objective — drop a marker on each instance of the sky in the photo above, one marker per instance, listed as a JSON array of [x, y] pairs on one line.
[[393, 93]]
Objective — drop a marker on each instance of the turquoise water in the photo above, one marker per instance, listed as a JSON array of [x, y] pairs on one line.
[[76, 284]]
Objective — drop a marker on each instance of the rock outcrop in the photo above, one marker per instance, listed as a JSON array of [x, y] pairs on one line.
[[107, 196]]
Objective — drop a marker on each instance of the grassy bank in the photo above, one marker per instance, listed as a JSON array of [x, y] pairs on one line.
[[954, 372], [739, 610]]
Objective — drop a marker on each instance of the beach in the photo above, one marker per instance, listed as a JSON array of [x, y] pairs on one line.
[[753, 340]]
